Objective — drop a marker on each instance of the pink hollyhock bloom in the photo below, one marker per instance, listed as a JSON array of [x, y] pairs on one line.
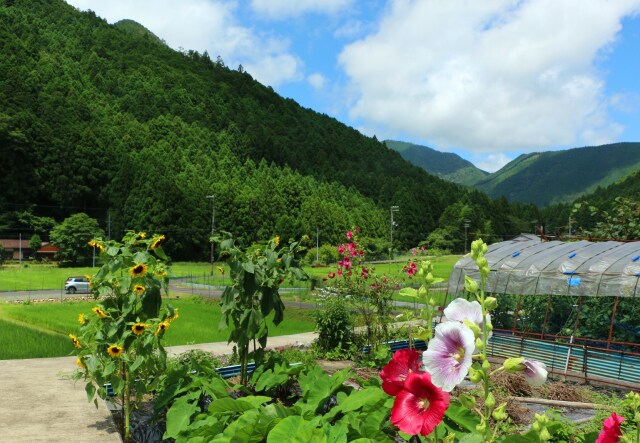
[[403, 363], [414, 251], [349, 235], [611, 432], [341, 249], [412, 269], [422, 249], [364, 273], [346, 262], [449, 354], [535, 372], [420, 406], [331, 274], [339, 272]]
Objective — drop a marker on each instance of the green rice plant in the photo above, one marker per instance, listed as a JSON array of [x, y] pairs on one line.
[[19, 341]]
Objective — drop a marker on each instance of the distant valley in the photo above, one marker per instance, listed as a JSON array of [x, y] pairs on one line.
[[542, 178]]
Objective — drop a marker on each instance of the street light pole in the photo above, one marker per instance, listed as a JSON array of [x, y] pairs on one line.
[[392, 210], [466, 226], [317, 244], [213, 223]]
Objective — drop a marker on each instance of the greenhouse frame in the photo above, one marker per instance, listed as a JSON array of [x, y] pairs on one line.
[[530, 266]]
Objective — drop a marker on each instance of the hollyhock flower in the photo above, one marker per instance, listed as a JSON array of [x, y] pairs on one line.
[[449, 354], [339, 272], [414, 251], [460, 310], [341, 249], [331, 274], [535, 372], [611, 432], [403, 363], [364, 273], [422, 249], [349, 235], [412, 269], [346, 263], [420, 406]]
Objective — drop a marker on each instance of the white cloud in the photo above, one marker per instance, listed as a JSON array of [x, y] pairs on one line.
[[279, 9], [317, 80], [489, 75], [491, 162], [207, 25]]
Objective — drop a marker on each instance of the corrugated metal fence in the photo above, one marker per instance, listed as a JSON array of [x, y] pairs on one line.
[[565, 358]]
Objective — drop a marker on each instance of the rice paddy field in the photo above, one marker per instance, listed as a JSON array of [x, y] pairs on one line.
[[39, 330]]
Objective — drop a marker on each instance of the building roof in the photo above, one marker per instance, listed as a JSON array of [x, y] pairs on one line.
[[526, 265]]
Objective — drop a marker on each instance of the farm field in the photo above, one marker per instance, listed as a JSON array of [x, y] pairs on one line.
[[41, 329]]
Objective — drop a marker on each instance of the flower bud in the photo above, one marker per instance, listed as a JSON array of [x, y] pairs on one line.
[[490, 303], [474, 327], [513, 365], [432, 301], [470, 284], [500, 413], [479, 344], [486, 365], [422, 292], [481, 427], [490, 401], [475, 375]]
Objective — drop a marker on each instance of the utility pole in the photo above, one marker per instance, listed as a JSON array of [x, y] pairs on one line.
[[213, 223], [317, 244], [466, 226], [392, 210]]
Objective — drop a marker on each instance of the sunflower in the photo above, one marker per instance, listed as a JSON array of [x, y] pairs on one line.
[[80, 363], [221, 270], [277, 240], [82, 319], [75, 341], [115, 351], [142, 235], [99, 312], [174, 316], [162, 327], [139, 289], [157, 242], [138, 270], [139, 328], [95, 244]]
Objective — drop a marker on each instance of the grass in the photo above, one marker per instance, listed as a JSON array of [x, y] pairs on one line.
[[40, 329], [35, 276]]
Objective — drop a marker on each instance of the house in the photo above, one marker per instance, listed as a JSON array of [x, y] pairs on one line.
[[13, 248]]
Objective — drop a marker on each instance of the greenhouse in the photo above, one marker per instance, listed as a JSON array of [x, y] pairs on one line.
[[570, 304]]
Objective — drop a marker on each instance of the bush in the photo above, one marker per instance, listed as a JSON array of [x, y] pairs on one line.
[[328, 254], [334, 324]]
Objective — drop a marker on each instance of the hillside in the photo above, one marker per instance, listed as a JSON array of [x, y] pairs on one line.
[[107, 120], [445, 165], [562, 176]]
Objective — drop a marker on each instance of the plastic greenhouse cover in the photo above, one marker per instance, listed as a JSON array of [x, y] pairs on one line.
[[526, 265]]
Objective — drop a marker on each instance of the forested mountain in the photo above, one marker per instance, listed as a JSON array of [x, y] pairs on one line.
[[562, 176], [108, 120], [445, 165]]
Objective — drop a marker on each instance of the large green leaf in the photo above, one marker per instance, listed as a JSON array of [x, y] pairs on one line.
[[296, 429], [239, 405], [179, 415]]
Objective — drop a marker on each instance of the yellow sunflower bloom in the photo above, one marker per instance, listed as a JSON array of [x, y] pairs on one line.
[[115, 351], [75, 341], [162, 327], [82, 319], [143, 235], [139, 328], [138, 270], [99, 312], [277, 240], [174, 316], [157, 242], [162, 274], [80, 363], [221, 270], [92, 243], [139, 289]]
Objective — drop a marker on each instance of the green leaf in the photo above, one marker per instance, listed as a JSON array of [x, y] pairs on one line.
[[472, 438], [296, 429], [136, 364], [408, 292], [179, 415], [91, 390], [239, 405], [457, 416], [249, 267]]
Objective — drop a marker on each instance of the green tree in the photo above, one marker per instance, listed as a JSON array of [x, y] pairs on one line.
[[35, 243], [73, 235]]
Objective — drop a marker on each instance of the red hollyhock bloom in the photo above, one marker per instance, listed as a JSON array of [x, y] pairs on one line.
[[403, 362], [420, 406], [611, 432]]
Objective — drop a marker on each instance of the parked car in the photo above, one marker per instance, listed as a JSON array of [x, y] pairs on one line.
[[76, 284]]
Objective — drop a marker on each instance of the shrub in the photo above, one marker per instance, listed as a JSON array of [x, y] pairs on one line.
[[334, 324]]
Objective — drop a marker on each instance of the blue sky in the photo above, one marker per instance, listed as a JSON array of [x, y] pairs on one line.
[[488, 80]]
